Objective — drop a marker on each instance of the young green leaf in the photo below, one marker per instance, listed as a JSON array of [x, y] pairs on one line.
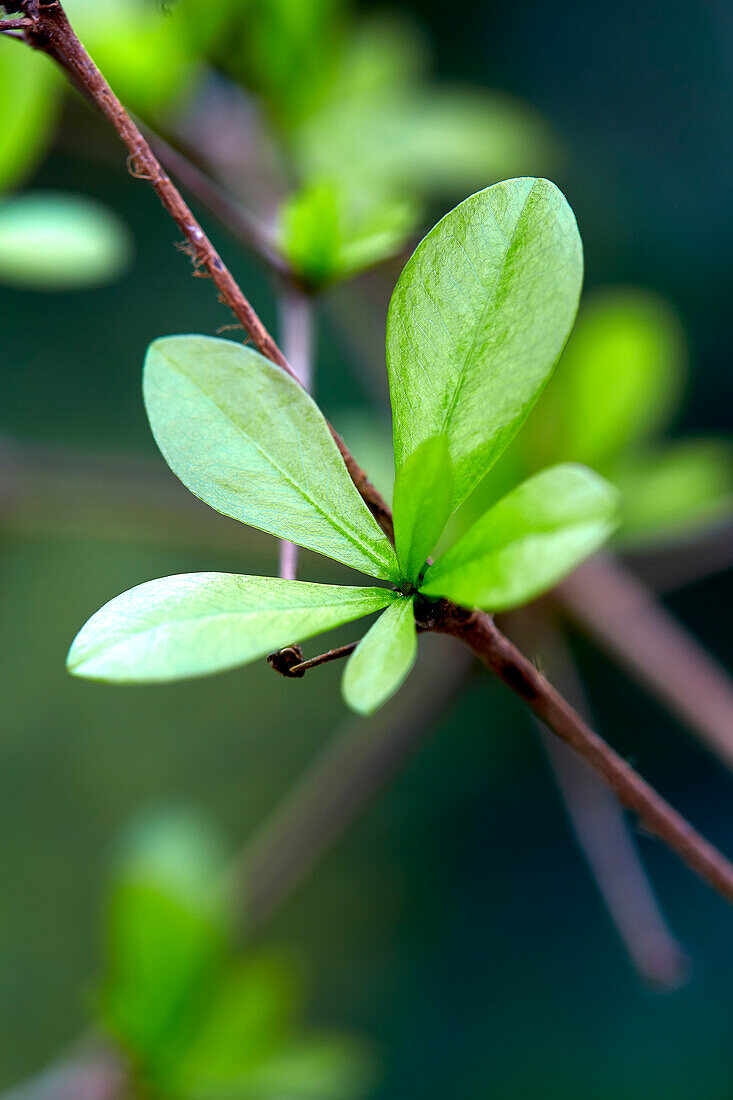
[[167, 929], [52, 241], [477, 321], [617, 382], [29, 82], [247, 439], [528, 541], [198, 623], [382, 659], [675, 491], [422, 504]]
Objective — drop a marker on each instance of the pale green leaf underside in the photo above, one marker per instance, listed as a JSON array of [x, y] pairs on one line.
[[528, 541], [246, 438], [382, 659], [422, 504], [477, 321], [194, 624]]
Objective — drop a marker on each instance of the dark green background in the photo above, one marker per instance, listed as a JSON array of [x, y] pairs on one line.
[[456, 925]]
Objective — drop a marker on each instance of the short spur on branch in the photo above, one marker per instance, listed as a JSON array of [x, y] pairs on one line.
[[477, 321]]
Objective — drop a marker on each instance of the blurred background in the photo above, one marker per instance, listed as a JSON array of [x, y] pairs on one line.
[[453, 931]]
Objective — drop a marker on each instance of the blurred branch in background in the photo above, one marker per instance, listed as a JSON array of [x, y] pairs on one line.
[[63, 491], [597, 821], [297, 336], [622, 615]]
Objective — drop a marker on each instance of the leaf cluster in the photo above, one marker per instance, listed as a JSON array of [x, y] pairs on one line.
[[197, 1019], [476, 323]]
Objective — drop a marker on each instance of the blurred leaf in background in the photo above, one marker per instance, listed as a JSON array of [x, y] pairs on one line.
[[28, 91], [54, 241], [614, 392], [194, 1017]]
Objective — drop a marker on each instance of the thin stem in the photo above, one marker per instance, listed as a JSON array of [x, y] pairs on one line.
[[622, 615], [240, 222], [479, 632], [599, 827], [298, 339], [324, 658]]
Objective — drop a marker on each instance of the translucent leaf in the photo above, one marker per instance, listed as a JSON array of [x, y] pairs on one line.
[[248, 1018], [53, 241], [28, 92], [477, 320], [528, 541], [166, 934], [677, 491], [382, 659], [420, 140], [197, 623], [246, 438], [143, 48], [311, 1068], [328, 232], [422, 504], [618, 381]]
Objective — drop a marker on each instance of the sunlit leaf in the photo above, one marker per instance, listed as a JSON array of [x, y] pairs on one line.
[[328, 231], [197, 623], [382, 659], [246, 438], [676, 491], [477, 320], [29, 87], [528, 541], [422, 504], [142, 47], [618, 381], [248, 1019], [166, 934], [51, 241]]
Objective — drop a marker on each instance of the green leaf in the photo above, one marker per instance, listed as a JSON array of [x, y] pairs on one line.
[[477, 320], [329, 232], [675, 492], [60, 242], [382, 659], [243, 436], [166, 934], [144, 50], [528, 541], [249, 1017], [422, 504], [330, 1067], [28, 91], [618, 381], [198, 623]]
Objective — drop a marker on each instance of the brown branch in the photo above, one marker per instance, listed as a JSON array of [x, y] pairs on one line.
[[52, 33], [622, 615], [478, 631], [240, 222]]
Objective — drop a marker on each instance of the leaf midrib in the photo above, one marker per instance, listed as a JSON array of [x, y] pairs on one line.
[[490, 298], [207, 618]]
